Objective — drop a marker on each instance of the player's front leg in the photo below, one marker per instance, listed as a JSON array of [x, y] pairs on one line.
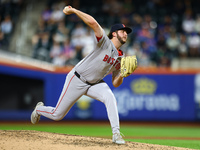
[[103, 93]]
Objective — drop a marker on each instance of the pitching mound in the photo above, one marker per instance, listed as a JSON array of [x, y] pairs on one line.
[[36, 140]]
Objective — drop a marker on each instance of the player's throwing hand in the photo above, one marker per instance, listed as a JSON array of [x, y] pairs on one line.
[[68, 10]]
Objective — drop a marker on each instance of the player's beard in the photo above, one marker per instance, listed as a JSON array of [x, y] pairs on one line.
[[120, 39]]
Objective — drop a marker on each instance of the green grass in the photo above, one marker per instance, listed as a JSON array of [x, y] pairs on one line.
[[162, 131], [135, 133], [194, 144]]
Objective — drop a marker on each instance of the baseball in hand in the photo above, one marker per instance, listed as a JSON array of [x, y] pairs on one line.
[[67, 10]]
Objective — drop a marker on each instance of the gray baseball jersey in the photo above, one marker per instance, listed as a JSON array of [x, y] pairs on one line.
[[103, 60], [93, 68]]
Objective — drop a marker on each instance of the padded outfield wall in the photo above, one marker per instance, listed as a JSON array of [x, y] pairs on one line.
[[156, 94]]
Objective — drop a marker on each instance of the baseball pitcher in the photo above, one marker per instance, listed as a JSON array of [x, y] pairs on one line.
[[86, 78]]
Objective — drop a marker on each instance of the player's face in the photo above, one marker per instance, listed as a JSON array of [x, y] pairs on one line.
[[122, 36]]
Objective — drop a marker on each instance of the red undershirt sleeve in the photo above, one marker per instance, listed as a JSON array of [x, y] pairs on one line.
[[99, 38]]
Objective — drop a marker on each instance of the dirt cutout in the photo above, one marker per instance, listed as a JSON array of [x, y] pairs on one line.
[[36, 140]]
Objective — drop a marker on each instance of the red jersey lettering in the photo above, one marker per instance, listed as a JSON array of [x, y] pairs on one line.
[[112, 61], [117, 67], [116, 62], [106, 58]]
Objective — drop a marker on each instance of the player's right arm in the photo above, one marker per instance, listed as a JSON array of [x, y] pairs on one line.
[[87, 19]]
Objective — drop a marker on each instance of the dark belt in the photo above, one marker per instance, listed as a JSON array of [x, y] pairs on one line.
[[78, 75]]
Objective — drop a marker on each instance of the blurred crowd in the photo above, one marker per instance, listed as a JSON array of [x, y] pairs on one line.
[[162, 30], [9, 13]]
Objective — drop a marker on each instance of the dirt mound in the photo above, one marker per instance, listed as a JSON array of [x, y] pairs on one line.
[[36, 140]]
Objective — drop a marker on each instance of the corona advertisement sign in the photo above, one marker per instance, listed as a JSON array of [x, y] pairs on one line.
[[143, 86], [156, 97]]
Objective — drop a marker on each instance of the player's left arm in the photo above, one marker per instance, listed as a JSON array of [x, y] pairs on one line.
[[117, 79]]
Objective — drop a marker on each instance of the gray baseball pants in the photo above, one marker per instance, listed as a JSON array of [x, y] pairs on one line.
[[72, 90]]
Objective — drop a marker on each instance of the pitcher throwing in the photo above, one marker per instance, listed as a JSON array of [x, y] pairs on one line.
[[86, 78]]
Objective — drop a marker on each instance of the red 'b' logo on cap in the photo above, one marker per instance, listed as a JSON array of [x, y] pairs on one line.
[[123, 25]]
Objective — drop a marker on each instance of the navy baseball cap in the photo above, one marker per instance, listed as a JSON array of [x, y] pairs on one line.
[[120, 27]]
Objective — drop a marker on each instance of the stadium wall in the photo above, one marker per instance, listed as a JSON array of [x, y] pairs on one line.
[[155, 94]]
